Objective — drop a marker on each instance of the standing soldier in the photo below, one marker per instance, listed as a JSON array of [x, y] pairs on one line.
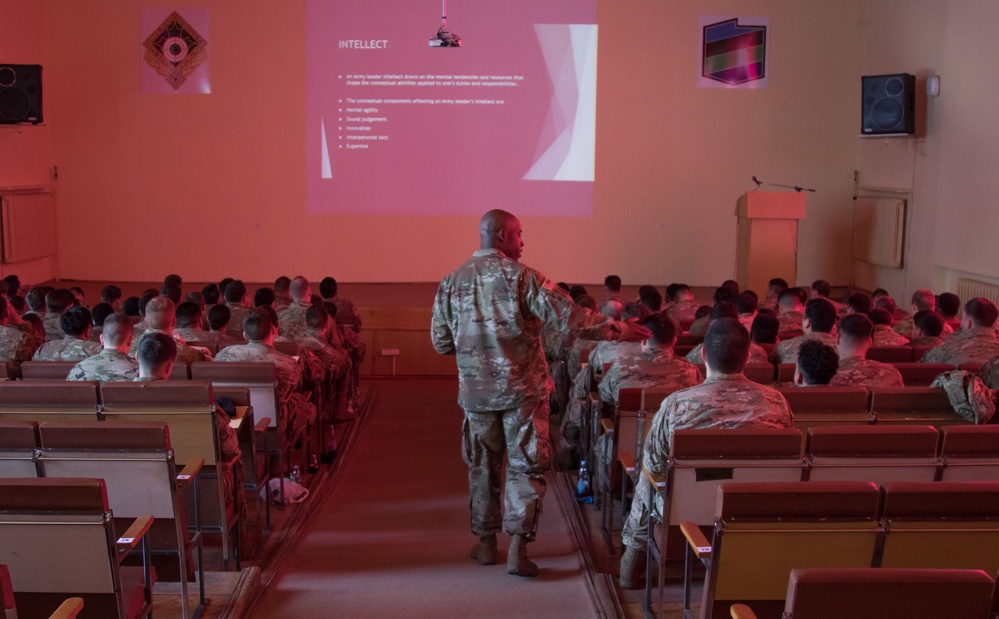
[[489, 313]]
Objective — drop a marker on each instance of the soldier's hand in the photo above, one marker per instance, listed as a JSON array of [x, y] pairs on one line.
[[633, 332]]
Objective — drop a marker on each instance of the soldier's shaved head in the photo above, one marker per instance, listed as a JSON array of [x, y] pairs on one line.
[[501, 230], [300, 289], [117, 332], [161, 313]]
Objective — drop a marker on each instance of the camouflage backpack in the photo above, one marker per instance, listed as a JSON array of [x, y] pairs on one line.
[[969, 396]]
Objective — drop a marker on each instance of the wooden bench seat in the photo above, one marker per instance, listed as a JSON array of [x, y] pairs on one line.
[[872, 453]]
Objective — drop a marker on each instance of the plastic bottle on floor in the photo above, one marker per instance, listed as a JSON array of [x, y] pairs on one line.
[[583, 483]]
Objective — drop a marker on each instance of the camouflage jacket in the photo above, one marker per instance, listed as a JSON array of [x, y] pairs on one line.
[[574, 361], [346, 313], [990, 374], [790, 324], [554, 342], [67, 349], [857, 372], [904, 327], [655, 367], [53, 326], [757, 354], [681, 312], [926, 340], [107, 366], [18, 343], [787, 350], [193, 334], [185, 354], [721, 401], [292, 320], [289, 372], [335, 361], [238, 312], [976, 345], [489, 314], [610, 352], [884, 336]]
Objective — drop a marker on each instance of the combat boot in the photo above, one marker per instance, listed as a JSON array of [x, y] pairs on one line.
[[632, 568], [517, 562], [485, 551]]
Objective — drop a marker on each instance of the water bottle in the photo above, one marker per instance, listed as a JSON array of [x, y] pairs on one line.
[[296, 474], [583, 481]]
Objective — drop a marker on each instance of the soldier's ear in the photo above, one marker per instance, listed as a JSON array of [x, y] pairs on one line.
[[799, 380]]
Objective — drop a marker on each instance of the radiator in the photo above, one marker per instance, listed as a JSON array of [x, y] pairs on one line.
[[28, 221], [879, 230], [968, 289]]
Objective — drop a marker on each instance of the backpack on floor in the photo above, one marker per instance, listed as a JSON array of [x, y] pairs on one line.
[[969, 396]]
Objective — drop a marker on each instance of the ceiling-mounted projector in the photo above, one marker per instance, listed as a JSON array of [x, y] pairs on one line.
[[444, 37]]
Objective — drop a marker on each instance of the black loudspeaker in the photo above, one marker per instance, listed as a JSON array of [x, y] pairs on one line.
[[20, 93], [889, 104]]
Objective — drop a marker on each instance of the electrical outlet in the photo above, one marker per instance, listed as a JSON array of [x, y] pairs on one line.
[[390, 352]]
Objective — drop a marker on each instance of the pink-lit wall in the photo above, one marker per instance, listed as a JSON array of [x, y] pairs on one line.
[[213, 185]]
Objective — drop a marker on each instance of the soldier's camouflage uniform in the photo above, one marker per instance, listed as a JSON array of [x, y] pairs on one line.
[[489, 313], [787, 350], [654, 367], [681, 312], [757, 354], [926, 340], [18, 343], [990, 374], [975, 345], [107, 366], [237, 312], [553, 343], [884, 336], [790, 324], [53, 326], [185, 354], [346, 313], [904, 328], [721, 401], [193, 334], [67, 349], [858, 372], [297, 411], [291, 320]]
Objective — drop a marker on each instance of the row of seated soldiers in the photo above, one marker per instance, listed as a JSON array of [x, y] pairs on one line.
[[830, 339]]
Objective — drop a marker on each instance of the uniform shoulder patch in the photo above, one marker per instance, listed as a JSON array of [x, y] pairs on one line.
[[549, 284]]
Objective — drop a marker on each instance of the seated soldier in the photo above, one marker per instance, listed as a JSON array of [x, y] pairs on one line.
[[18, 339], [172, 291], [975, 342], [100, 312], [821, 289], [346, 311], [724, 309], [650, 300], [791, 304], [157, 354], [18, 304], [927, 326], [264, 296], [211, 293], [817, 325], [218, 321], [700, 324], [949, 306], [35, 298], [75, 345], [922, 299], [260, 331], [652, 365], [680, 305], [235, 300], [883, 333], [293, 317], [56, 302], [111, 295], [161, 316], [130, 307], [612, 288], [857, 303], [771, 299], [140, 327], [112, 364], [817, 363], [746, 304], [855, 370], [189, 321], [198, 299], [335, 362], [764, 331], [282, 297], [726, 399]]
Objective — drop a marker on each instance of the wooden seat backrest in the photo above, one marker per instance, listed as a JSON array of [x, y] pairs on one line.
[[18, 441], [919, 351], [943, 525], [294, 349], [875, 593], [48, 400], [913, 405], [921, 374], [46, 370], [180, 371], [187, 407], [258, 377], [763, 373], [970, 453], [890, 354], [823, 406], [872, 453], [785, 372], [764, 530], [7, 371]]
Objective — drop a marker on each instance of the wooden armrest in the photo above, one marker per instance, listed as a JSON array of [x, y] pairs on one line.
[[658, 481], [130, 539], [68, 609], [696, 539], [190, 471], [627, 461], [607, 425], [262, 425], [741, 611]]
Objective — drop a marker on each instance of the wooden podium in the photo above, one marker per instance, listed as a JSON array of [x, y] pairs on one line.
[[767, 244]]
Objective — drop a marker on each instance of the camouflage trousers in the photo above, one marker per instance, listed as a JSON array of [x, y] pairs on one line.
[[635, 533], [522, 433]]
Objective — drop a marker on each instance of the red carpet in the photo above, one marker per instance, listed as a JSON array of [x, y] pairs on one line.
[[391, 537]]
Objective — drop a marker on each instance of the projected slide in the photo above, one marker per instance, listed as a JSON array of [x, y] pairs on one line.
[[396, 125]]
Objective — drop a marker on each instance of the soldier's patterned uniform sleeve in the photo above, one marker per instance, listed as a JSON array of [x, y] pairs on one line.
[[550, 303], [440, 326], [656, 451]]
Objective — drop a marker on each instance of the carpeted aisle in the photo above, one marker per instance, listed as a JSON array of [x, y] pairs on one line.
[[391, 537]]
